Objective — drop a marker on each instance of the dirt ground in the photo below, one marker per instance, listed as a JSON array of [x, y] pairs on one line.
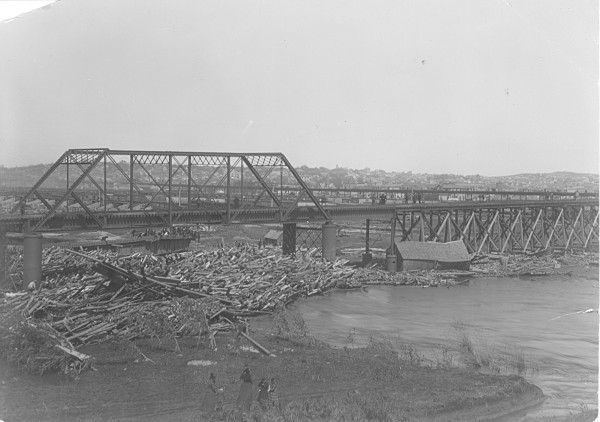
[[152, 382], [148, 380]]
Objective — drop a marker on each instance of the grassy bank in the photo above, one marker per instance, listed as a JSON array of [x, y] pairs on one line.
[[148, 380]]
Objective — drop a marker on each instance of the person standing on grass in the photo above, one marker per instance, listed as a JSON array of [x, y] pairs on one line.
[[263, 394], [273, 394], [209, 401], [244, 400], [220, 395]]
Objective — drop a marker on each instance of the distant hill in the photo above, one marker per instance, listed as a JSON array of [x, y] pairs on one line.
[[323, 177]]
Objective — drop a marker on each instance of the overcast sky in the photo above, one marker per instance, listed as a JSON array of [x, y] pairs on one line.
[[491, 87]]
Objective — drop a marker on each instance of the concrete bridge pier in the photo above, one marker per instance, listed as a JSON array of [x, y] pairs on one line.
[[289, 239], [4, 272], [367, 257], [32, 259], [329, 240]]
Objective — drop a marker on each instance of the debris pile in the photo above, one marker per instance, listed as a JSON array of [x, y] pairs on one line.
[[542, 264], [36, 347], [247, 279], [98, 296], [371, 275]]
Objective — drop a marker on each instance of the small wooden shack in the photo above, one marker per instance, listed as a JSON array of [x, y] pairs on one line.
[[273, 238], [413, 256]]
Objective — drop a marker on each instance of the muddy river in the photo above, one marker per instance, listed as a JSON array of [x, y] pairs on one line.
[[545, 328]]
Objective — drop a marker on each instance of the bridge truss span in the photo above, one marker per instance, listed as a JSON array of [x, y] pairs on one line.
[[220, 187]]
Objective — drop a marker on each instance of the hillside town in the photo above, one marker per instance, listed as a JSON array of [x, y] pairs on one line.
[[338, 178]]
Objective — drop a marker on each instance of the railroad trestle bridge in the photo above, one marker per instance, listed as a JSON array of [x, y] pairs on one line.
[[83, 190]]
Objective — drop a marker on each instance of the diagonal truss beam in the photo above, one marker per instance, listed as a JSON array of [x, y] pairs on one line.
[[40, 182], [553, 229], [487, 231], [511, 233], [69, 191], [305, 187], [262, 182], [574, 229]]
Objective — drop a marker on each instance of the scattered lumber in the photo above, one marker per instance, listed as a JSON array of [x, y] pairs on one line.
[[98, 295]]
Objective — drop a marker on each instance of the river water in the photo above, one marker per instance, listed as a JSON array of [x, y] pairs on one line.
[[527, 326]]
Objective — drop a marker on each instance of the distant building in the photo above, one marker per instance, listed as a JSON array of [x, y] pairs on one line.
[[413, 256], [273, 238]]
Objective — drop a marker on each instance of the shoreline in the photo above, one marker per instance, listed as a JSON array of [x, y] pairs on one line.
[[315, 381]]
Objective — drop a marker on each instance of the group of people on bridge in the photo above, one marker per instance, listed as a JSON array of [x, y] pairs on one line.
[[175, 231], [415, 197]]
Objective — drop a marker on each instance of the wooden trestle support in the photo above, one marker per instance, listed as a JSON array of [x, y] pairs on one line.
[[504, 229]]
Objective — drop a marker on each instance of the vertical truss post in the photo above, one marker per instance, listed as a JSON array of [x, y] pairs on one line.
[[392, 234], [457, 232], [189, 181], [241, 181], [583, 242], [521, 234], [228, 192], [280, 182], [68, 168], [501, 226], [367, 235], [104, 197], [447, 227], [131, 161], [544, 226], [564, 230], [4, 272], [170, 189]]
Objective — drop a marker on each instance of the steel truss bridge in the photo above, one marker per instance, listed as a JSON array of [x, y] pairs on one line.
[[113, 189]]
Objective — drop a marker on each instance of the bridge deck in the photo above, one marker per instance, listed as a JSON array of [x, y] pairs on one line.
[[217, 215]]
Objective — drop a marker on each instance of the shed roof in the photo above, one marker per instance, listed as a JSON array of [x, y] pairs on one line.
[[434, 251], [273, 234]]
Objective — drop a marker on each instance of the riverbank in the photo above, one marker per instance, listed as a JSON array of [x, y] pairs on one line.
[[146, 380]]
